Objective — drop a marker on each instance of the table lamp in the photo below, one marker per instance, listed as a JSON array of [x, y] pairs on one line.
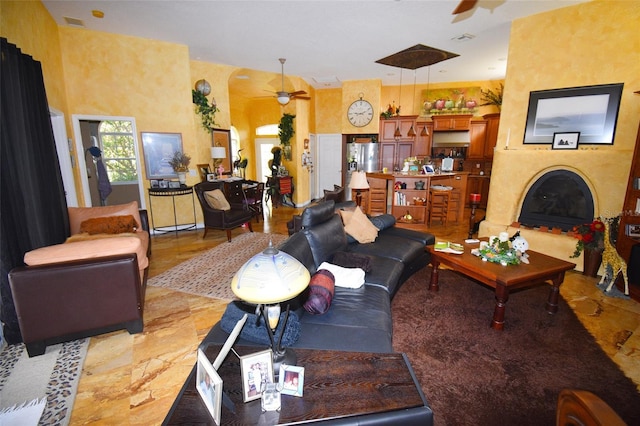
[[268, 278], [359, 182], [217, 154]]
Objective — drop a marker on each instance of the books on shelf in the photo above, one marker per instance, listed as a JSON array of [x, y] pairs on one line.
[[447, 247]]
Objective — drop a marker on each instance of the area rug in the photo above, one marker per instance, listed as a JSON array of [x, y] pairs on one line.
[[474, 375], [51, 378], [210, 273]]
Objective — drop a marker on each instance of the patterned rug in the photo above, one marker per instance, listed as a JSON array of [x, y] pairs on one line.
[[52, 376], [210, 273]]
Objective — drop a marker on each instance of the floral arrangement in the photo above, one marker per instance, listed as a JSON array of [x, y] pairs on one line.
[[499, 250], [590, 236], [180, 162]]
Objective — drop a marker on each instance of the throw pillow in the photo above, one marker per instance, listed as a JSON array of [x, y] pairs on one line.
[[109, 225], [321, 289], [352, 260], [217, 200], [383, 221], [358, 225]]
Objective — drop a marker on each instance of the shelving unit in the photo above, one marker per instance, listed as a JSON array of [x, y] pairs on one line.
[[404, 199], [631, 216]]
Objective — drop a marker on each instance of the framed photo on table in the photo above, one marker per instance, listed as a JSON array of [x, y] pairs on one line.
[[590, 110], [291, 380], [209, 386], [159, 149], [256, 370]]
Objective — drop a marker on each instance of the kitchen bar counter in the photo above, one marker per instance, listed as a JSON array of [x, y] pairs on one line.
[[383, 197]]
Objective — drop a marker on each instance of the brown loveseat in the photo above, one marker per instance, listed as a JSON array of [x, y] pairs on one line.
[[91, 284]]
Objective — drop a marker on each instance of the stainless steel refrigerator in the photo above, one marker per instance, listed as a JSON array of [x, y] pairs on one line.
[[361, 156]]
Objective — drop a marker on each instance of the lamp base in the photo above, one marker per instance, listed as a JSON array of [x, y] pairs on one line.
[[285, 356]]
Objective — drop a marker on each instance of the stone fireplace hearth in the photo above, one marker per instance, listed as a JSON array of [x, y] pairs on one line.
[[514, 172]]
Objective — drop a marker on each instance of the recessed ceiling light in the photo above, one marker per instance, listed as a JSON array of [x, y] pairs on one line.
[[242, 77]]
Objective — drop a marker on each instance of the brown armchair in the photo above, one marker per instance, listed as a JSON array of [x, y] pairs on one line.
[[226, 220]]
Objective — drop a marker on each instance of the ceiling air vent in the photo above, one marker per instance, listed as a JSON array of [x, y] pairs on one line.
[[74, 22], [464, 37]]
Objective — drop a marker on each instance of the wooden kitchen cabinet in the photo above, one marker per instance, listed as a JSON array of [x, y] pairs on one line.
[[443, 123], [393, 154], [388, 128], [422, 146], [493, 122], [477, 136]]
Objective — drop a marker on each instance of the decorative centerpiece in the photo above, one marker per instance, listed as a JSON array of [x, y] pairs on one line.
[[500, 250], [180, 163]]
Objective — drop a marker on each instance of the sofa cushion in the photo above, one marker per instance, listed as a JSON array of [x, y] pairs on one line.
[[398, 248], [90, 249], [383, 221], [77, 215], [298, 246], [358, 225], [352, 260], [321, 289], [217, 200], [326, 238], [109, 225]]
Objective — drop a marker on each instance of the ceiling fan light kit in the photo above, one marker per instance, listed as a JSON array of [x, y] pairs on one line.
[[285, 97]]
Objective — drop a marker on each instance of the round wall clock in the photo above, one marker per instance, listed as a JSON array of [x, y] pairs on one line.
[[360, 113]]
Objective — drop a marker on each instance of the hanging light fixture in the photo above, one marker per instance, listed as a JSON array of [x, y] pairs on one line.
[[412, 132], [425, 131], [397, 134]]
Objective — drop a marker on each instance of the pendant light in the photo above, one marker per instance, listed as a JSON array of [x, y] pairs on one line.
[[425, 131], [412, 132], [397, 135]]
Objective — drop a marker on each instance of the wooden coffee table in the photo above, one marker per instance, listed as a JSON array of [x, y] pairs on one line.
[[343, 387], [542, 269]]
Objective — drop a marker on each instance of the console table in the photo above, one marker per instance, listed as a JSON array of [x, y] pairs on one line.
[[338, 387], [173, 193]]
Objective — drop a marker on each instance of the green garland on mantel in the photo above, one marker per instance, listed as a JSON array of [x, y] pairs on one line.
[[206, 111]]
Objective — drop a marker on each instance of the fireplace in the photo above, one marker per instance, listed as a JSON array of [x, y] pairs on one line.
[[558, 199]]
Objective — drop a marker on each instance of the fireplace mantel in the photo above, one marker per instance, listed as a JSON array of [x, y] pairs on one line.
[[604, 170]]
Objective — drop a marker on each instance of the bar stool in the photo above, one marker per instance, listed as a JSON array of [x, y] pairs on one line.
[[454, 203], [439, 205]]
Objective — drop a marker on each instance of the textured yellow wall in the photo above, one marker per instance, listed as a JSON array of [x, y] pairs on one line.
[[328, 110], [150, 80], [592, 43], [28, 25]]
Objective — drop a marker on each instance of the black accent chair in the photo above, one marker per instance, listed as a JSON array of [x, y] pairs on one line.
[[226, 220], [254, 196]]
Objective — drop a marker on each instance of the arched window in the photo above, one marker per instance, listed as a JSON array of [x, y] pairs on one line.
[[267, 130]]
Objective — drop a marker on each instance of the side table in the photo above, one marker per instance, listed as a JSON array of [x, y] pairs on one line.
[[339, 387], [173, 193]]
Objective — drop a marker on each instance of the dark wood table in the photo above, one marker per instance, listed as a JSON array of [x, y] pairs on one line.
[[541, 269], [337, 385]]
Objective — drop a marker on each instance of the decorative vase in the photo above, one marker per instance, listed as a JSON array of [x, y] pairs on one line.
[[592, 260], [182, 177]]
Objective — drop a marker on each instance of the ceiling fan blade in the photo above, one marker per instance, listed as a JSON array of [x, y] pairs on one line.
[[297, 92], [306, 98], [464, 6]]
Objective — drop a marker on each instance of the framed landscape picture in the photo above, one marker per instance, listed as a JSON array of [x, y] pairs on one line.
[[566, 140], [159, 149], [592, 111]]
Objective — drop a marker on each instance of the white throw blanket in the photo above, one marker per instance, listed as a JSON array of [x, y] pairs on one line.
[[345, 277], [24, 414]]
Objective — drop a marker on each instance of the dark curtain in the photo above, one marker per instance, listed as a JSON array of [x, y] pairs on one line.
[[34, 209]]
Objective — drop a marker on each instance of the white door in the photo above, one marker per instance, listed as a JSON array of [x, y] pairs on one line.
[[64, 148], [263, 155], [329, 161], [313, 181]]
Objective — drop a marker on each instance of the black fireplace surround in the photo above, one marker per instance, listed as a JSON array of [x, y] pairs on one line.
[[558, 199]]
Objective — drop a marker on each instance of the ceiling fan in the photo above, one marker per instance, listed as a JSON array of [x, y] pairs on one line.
[[464, 6], [283, 96]]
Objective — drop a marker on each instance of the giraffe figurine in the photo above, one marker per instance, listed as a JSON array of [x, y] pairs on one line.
[[611, 259]]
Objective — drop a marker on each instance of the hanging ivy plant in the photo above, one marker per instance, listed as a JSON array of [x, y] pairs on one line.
[[285, 129], [206, 111]]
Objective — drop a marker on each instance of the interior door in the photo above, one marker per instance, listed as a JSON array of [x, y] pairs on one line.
[[64, 148], [329, 163], [263, 155]]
